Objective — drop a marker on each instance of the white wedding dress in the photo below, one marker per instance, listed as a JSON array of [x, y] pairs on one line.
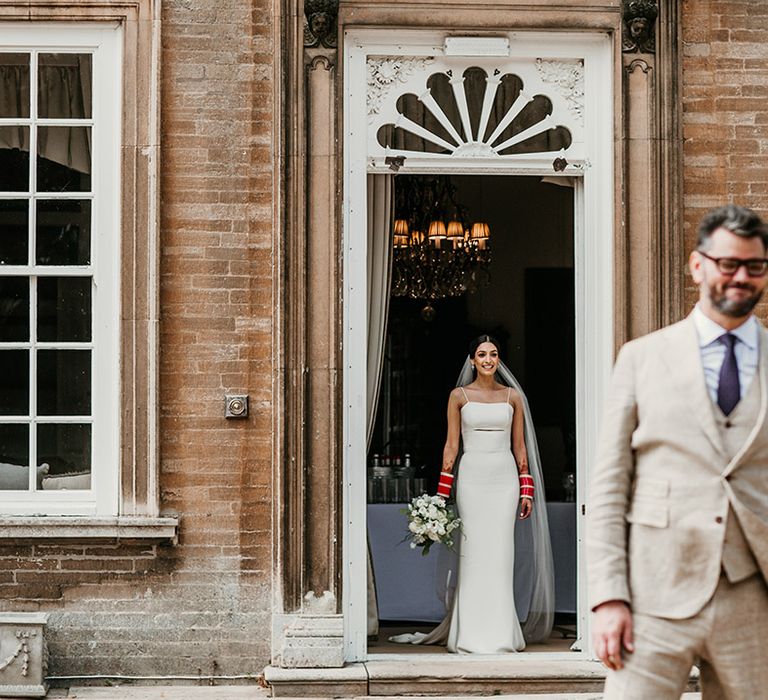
[[483, 619]]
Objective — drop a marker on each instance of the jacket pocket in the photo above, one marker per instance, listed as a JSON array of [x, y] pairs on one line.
[[655, 488], [648, 513]]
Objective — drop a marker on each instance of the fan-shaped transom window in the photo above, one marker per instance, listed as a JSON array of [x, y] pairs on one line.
[[444, 109]]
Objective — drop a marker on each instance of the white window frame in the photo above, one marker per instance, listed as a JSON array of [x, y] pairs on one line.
[[105, 42], [594, 260]]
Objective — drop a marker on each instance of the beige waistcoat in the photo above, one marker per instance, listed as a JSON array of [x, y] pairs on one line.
[[738, 560]]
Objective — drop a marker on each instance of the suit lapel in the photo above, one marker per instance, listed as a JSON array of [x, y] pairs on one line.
[[683, 358], [762, 377]]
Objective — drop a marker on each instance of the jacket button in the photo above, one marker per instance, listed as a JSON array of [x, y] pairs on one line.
[[719, 519], [728, 424]]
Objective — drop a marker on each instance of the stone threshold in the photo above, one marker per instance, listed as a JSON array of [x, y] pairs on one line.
[[436, 675]]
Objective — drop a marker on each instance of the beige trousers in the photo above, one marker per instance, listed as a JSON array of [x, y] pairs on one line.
[[724, 640]]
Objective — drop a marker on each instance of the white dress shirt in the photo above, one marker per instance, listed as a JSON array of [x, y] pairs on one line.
[[713, 350]]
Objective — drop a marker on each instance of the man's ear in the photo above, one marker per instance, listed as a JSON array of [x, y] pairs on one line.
[[694, 265]]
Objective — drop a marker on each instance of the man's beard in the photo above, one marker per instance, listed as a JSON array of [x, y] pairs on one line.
[[728, 307]]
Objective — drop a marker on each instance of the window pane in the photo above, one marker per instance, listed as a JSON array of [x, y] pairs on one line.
[[63, 382], [66, 448], [14, 220], [14, 457], [64, 158], [64, 309], [14, 85], [64, 86], [63, 232], [14, 383], [14, 158], [14, 309]]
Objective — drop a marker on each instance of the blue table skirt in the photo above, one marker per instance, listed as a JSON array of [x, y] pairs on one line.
[[412, 587]]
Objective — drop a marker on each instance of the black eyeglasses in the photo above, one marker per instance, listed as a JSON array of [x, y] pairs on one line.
[[755, 267]]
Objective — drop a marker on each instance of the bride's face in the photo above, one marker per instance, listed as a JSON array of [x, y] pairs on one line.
[[486, 359]]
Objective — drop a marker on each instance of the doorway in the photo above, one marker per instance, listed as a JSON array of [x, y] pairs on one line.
[[480, 107], [525, 297]]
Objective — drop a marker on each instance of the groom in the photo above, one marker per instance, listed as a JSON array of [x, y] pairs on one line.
[[677, 537]]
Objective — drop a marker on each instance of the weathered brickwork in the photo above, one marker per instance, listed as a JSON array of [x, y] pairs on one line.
[[725, 86], [201, 607]]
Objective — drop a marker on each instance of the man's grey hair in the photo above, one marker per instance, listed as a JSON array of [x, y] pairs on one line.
[[734, 218]]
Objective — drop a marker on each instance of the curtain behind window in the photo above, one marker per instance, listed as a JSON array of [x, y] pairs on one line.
[[380, 216], [64, 92]]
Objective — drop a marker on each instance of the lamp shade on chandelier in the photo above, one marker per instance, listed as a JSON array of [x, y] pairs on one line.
[[453, 258]]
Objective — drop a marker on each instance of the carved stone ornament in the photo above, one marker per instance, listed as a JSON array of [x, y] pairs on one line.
[[385, 73], [320, 26], [567, 77], [23, 655], [639, 26]]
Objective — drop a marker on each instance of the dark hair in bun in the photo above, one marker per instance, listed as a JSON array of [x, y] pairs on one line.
[[477, 342]]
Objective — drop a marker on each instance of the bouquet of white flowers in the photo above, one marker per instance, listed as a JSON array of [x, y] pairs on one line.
[[430, 520]]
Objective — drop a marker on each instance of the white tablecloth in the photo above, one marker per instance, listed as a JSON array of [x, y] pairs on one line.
[[410, 586]]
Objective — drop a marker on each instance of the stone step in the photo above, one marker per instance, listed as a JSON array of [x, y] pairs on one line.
[[164, 692], [481, 676], [433, 676], [538, 696]]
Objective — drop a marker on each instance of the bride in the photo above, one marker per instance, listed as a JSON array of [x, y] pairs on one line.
[[499, 451]]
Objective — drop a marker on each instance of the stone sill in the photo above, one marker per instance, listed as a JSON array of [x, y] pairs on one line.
[[88, 529]]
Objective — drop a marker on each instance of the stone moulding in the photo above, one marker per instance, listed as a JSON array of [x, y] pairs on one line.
[[47, 528], [23, 655], [385, 73], [567, 77]]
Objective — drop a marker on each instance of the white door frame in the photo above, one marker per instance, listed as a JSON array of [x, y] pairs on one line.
[[593, 261]]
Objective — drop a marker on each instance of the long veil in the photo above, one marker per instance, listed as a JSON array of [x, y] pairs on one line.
[[541, 612]]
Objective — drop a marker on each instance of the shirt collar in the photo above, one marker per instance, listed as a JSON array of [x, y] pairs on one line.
[[709, 331]]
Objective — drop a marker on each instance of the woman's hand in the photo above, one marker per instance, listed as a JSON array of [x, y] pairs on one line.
[[526, 508]]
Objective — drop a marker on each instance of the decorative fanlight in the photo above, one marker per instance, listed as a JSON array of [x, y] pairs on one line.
[[452, 258], [478, 114]]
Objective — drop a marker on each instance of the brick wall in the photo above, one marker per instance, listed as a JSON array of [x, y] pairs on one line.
[[204, 606], [725, 86]]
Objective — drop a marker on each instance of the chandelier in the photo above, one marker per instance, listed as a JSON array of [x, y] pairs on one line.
[[436, 252]]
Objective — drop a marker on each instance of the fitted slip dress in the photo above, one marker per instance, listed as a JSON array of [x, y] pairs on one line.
[[482, 618]]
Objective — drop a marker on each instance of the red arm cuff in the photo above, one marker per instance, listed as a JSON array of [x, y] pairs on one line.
[[526, 486], [445, 484]]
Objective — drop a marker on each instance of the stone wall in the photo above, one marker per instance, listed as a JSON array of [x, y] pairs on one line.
[[202, 607], [725, 111]]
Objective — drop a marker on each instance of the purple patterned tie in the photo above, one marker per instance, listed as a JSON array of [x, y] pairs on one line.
[[728, 390]]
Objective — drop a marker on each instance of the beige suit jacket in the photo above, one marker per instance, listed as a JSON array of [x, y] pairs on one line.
[[662, 484]]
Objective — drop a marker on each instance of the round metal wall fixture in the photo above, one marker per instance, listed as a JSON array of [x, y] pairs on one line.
[[236, 406]]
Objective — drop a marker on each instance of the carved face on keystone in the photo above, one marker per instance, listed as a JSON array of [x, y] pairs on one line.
[[638, 27], [320, 24]]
